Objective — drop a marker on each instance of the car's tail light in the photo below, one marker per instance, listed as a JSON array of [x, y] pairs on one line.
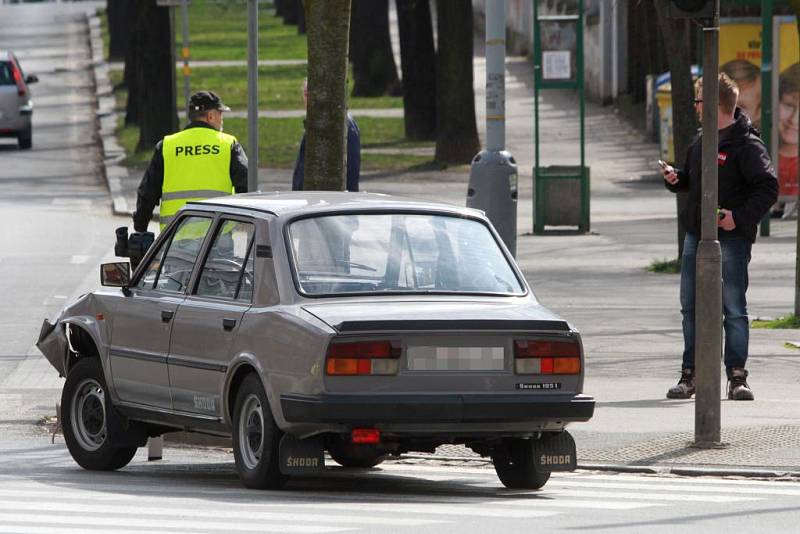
[[545, 357], [363, 358], [17, 75]]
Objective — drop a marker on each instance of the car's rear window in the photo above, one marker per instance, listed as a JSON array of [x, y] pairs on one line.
[[6, 78], [398, 253]]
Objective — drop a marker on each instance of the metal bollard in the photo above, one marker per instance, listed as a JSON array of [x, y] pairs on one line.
[[155, 448]]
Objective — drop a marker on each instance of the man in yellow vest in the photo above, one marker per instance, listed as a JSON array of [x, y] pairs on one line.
[[196, 163]]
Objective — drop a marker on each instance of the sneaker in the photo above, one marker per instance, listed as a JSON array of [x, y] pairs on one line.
[[684, 389], [737, 385]]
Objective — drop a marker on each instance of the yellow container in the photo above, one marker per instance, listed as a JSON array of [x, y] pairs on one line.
[[664, 100]]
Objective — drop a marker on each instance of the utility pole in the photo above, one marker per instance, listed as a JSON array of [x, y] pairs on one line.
[[493, 172], [708, 304], [252, 95]]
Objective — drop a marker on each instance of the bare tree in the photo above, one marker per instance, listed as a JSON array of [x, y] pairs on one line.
[[327, 22], [676, 37], [374, 69], [418, 61], [456, 130]]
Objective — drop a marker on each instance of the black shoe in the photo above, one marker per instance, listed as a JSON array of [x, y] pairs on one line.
[[737, 385], [684, 389]]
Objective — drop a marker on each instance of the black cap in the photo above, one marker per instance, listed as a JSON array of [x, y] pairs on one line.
[[205, 101]]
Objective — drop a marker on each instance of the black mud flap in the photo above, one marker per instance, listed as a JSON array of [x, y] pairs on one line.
[[555, 451], [301, 456]]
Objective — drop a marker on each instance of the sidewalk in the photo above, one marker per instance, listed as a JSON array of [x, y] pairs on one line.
[[629, 318]]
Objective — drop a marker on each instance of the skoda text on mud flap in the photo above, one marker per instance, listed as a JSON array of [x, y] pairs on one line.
[[359, 324]]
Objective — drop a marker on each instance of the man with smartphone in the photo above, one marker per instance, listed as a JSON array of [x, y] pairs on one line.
[[748, 187]]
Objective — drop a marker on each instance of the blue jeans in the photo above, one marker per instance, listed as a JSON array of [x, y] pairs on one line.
[[735, 259]]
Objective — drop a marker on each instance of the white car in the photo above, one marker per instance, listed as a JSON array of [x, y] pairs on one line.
[[16, 106]]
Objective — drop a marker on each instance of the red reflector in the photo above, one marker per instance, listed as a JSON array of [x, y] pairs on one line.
[[17, 75], [547, 366], [364, 349], [545, 349], [366, 435]]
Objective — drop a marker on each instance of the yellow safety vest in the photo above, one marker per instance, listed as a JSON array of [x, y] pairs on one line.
[[196, 167]]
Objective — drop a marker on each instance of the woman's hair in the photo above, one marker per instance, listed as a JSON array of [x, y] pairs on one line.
[[790, 80]]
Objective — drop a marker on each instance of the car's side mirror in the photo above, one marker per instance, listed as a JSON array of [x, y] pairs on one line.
[[31, 78], [115, 274]]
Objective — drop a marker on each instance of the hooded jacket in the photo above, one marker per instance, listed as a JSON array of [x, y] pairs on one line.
[[747, 183]]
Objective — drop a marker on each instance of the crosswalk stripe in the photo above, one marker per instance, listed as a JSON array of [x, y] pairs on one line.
[[687, 497], [544, 502], [181, 525], [666, 486], [61, 529], [692, 481], [194, 512], [437, 507]]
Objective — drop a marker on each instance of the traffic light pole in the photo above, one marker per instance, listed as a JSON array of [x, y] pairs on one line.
[[708, 302]]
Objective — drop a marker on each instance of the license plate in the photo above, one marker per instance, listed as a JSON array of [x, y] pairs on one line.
[[431, 358]]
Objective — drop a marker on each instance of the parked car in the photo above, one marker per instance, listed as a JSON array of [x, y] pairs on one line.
[[359, 324], [16, 106]]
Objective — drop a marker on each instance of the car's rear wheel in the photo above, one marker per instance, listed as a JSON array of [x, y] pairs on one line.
[[256, 438], [85, 416], [25, 139], [355, 455], [514, 465]]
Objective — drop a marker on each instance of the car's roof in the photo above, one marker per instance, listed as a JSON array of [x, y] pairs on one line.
[[299, 202]]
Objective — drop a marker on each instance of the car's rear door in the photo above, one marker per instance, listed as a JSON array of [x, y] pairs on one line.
[[143, 320], [9, 98], [207, 321]]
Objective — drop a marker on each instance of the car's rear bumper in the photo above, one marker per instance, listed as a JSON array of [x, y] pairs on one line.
[[454, 408]]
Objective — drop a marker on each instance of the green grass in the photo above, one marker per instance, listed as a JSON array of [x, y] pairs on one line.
[[279, 140], [790, 321], [665, 266], [218, 31]]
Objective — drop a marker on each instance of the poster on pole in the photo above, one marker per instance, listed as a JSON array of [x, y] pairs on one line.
[[740, 58], [559, 41]]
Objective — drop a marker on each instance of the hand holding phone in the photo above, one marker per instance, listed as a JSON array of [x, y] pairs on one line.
[[668, 172]]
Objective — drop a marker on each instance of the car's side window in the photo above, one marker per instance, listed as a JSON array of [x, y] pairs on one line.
[[172, 270], [228, 270]]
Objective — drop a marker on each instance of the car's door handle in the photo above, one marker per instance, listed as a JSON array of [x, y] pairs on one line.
[[166, 316], [228, 324]]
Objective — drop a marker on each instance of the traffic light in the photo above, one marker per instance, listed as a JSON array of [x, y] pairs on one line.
[[692, 9]]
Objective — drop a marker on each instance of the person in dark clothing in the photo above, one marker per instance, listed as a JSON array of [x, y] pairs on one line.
[[748, 187], [353, 153], [201, 162]]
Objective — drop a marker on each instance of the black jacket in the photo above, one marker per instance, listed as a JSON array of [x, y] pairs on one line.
[[748, 185], [149, 193]]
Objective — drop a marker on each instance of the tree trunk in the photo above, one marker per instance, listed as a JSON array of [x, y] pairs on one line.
[[418, 62], [120, 14], [795, 5], [291, 11], [155, 74], [301, 18], [675, 34], [374, 69], [280, 7], [328, 22], [131, 81], [456, 131]]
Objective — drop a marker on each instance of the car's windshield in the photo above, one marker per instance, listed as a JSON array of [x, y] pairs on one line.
[[399, 252]]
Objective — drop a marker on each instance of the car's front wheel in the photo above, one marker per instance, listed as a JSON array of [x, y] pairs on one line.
[[85, 417], [256, 438], [514, 465]]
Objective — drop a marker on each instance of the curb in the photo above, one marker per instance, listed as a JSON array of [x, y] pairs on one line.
[[110, 151]]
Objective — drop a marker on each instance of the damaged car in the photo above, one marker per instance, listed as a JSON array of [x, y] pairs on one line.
[[361, 325]]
